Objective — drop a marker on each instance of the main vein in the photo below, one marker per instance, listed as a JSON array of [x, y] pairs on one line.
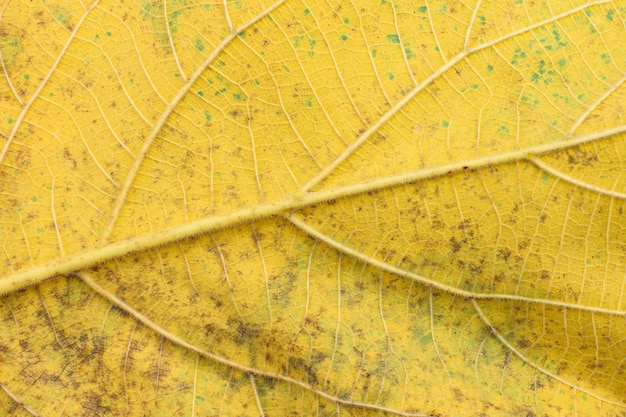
[[82, 260]]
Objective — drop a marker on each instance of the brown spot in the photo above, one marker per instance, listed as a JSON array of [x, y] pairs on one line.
[[504, 253], [68, 157], [523, 343], [245, 333], [92, 405], [455, 245], [256, 236]]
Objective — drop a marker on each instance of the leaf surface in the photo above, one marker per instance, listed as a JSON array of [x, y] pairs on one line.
[[312, 208]]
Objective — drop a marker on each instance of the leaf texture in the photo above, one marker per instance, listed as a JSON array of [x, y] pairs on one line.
[[312, 208]]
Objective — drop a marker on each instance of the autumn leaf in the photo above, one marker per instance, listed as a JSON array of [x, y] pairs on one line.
[[312, 208]]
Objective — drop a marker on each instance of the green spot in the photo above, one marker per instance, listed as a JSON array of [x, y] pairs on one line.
[[198, 44], [346, 21], [243, 35], [588, 13], [482, 20], [175, 15], [474, 86], [95, 38], [286, 69], [308, 102], [344, 37], [256, 81], [34, 198], [132, 81], [542, 67], [374, 52], [207, 117], [62, 15], [237, 97], [218, 174], [393, 38], [10, 120], [534, 78], [221, 63], [606, 58], [109, 34], [306, 12], [176, 75], [201, 93], [422, 9], [220, 91], [409, 53], [26, 77], [503, 129], [545, 178], [610, 14], [390, 75], [561, 62], [312, 43], [518, 54], [489, 68], [40, 230], [581, 96], [445, 123]]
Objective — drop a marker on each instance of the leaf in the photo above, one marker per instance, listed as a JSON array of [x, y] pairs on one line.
[[368, 208]]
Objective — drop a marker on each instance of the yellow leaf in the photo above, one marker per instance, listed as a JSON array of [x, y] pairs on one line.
[[312, 208]]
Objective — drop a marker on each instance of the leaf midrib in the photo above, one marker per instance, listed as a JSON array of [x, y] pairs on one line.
[[301, 198], [326, 171], [283, 207]]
